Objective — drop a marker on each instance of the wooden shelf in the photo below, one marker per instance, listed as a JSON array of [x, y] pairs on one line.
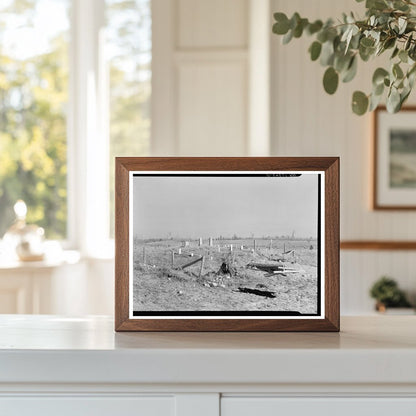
[[378, 245]]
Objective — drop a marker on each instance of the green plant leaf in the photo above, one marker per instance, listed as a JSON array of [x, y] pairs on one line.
[[330, 80], [400, 5], [281, 27], [403, 56], [404, 96], [359, 103], [300, 26], [379, 75], [376, 4], [351, 71], [341, 61], [374, 102], [389, 43], [294, 20], [322, 36], [327, 53], [365, 52], [367, 42], [314, 27], [288, 37], [315, 50], [393, 101], [397, 71], [395, 52]]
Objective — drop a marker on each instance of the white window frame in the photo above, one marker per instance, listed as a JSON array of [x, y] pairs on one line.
[[88, 138]]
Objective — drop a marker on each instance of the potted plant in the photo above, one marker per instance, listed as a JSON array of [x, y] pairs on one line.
[[389, 27], [387, 294]]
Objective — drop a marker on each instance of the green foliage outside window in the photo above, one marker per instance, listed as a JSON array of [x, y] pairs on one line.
[[33, 99]]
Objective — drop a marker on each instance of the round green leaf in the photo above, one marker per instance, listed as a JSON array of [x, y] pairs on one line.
[[367, 42], [282, 25], [298, 30], [366, 53], [351, 71], [342, 61], [379, 75], [330, 80], [314, 27], [359, 103], [315, 50]]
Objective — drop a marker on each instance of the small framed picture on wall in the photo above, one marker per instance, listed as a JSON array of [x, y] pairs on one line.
[[394, 180]]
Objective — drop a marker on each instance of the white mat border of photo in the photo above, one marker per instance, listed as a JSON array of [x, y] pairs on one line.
[[274, 172]]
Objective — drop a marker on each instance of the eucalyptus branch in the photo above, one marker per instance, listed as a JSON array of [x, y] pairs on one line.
[[388, 25]]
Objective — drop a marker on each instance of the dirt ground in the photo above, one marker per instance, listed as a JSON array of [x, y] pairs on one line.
[[159, 285]]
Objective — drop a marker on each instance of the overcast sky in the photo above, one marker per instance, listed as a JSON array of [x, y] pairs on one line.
[[192, 207]]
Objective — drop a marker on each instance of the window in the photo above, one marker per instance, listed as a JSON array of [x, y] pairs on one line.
[[33, 97], [75, 87]]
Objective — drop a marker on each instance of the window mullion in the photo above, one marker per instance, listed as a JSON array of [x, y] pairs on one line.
[[88, 137]]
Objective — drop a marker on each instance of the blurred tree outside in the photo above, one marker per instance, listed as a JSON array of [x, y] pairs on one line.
[[33, 99]]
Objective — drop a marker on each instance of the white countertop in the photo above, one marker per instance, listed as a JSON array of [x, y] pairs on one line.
[[53, 349]]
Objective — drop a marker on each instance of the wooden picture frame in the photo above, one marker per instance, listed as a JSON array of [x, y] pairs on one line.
[[394, 146], [141, 185]]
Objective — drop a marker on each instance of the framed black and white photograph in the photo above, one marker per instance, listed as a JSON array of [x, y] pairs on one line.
[[227, 244], [394, 159]]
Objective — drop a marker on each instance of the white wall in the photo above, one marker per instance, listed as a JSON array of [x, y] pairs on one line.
[[308, 122], [202, 80]]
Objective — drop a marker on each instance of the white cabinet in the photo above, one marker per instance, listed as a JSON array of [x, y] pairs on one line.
[[88, 406], [270, 406], [51, 365]]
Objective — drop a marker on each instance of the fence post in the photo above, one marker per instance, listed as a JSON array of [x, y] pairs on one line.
[[173, 258], [210, 241], [254, 245], [144, 254], [200, 242], [271, 243], [202, 266]]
